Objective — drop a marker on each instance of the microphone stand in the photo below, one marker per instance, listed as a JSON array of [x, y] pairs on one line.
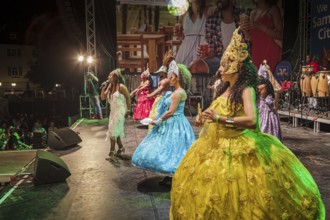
[[292, 88], [302, 98]]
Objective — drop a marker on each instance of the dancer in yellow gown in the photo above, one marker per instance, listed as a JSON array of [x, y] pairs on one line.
[[233, 171]]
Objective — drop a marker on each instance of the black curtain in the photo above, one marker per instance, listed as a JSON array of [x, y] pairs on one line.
[[290, 32], [105, 25]]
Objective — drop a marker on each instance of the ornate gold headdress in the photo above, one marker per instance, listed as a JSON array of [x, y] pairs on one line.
[[236, 52]]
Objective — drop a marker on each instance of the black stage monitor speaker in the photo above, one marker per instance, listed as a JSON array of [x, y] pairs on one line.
[[63, 137], [49, 168]]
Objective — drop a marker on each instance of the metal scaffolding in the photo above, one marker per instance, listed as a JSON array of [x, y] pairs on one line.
[[90, 34]]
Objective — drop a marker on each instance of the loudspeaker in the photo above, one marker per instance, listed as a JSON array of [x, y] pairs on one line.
[[49, 168], [63, 137], [37, 140]]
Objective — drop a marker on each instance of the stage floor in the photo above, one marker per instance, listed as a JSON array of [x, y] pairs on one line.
[[12, 162], [99, 189]]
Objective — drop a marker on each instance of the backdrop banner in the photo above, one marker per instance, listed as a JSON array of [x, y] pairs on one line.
[[320, 28]]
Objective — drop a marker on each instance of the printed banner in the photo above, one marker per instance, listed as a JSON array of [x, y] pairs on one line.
[[320, 29]]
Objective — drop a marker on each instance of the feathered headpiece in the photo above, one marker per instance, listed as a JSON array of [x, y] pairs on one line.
[[168, 57], [162, 69], [173, 68], [235, 54], [118, 70], [145, 74]]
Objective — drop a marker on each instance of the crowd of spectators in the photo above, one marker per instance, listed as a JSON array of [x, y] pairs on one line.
[[19, 132]]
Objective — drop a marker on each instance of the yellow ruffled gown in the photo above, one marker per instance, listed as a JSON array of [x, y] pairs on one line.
[[237, 173]]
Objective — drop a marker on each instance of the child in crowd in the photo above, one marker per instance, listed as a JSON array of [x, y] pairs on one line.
[[269, 120]]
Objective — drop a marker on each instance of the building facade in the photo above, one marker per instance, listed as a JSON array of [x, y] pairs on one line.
[[15, 62]]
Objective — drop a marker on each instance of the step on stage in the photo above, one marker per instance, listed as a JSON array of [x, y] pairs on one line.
[[299, 116]]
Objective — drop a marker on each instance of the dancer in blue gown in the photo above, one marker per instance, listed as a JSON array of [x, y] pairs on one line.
[[163, 148]]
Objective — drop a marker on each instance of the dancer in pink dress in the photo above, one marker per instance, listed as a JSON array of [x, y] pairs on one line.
[[143, 105]]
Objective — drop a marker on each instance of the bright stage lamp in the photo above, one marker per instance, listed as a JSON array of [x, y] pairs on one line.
[[89, 59], [80, 58]]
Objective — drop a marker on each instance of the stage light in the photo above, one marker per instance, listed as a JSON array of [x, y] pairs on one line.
[[90, 59], [13, 84], [80, 58]]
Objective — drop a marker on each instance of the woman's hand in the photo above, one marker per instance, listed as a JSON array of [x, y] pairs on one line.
[[211, 11], [245, 27], [156, 122], [210, 114]]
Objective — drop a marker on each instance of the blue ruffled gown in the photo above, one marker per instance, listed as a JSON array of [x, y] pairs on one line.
[[165, 145]]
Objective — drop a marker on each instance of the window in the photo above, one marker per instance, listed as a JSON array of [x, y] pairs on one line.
[[13, 52], [12, 36], [14, 72]]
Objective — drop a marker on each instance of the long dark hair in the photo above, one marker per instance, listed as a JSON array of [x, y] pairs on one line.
[[247, 78], [269, 86], [201, 8]]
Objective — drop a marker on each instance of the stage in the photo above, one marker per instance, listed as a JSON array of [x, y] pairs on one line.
[[13, 162], [101, 189], [303, 118]]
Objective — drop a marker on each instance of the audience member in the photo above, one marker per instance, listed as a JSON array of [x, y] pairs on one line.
[[223, 19], [193, 32]]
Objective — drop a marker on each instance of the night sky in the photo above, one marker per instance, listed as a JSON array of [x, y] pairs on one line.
[[40, 23]]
